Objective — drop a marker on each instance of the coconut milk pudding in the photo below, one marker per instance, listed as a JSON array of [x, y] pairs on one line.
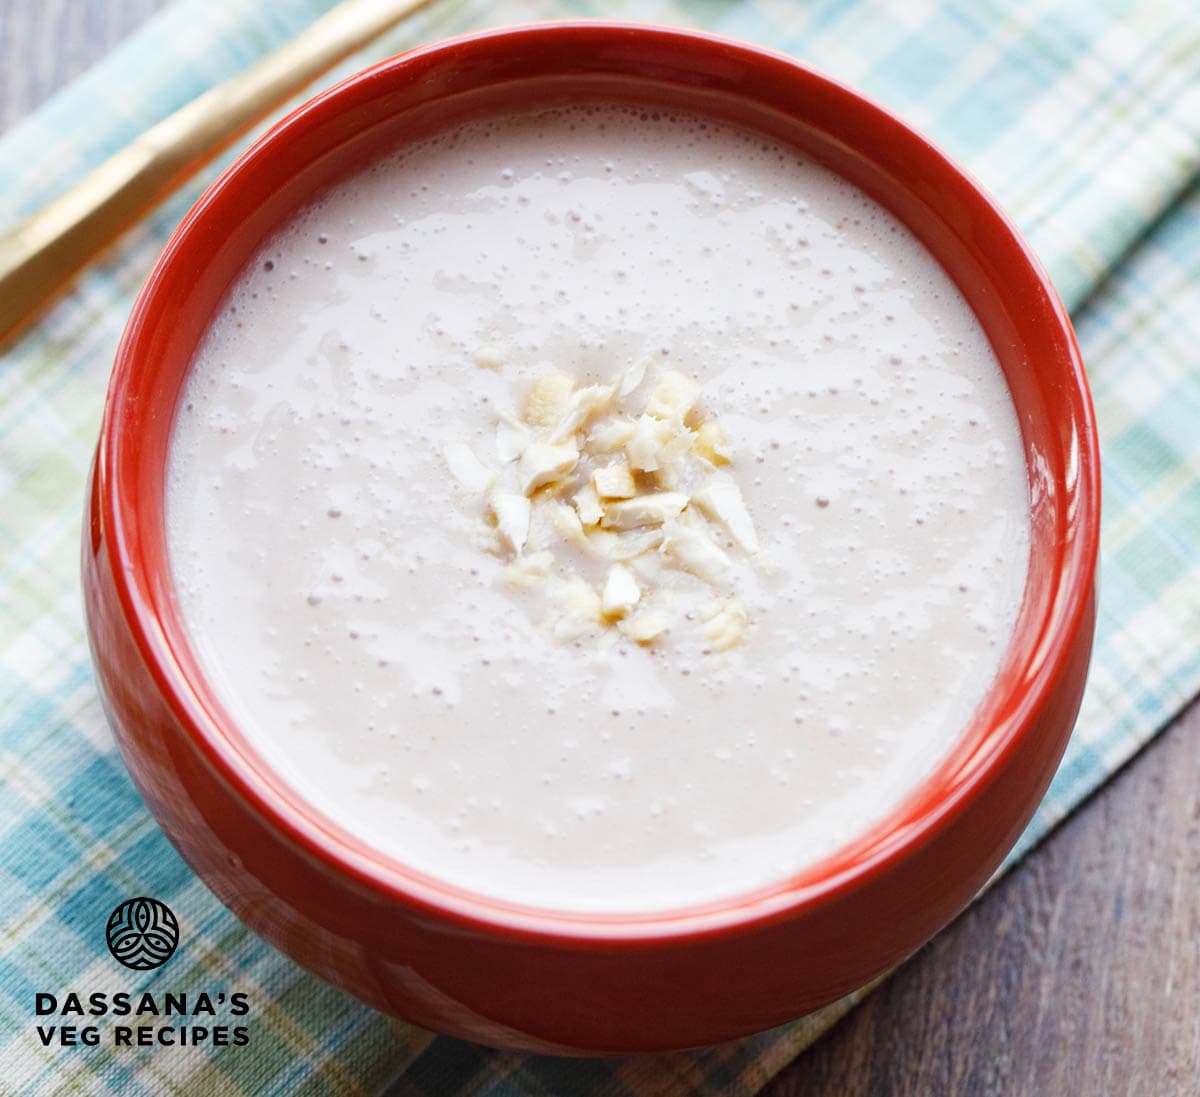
[[598, 509]]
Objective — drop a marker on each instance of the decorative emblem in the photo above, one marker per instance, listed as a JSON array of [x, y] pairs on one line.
[[142, 933]]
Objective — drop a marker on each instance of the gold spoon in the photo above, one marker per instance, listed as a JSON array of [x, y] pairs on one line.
[[39, 254]]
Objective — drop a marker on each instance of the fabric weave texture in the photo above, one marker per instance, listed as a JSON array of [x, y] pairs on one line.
[[1081, 116]]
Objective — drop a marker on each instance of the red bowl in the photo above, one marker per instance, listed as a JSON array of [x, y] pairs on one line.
[[508, 975]]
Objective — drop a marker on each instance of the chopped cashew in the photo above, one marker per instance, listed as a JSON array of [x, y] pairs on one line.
[[604, 542], [721, 501], [581, 609], [633, 375], [614, 482], [543, 463], [643, 510], [566, 521], [466, 468], [621, 592], [587, 505], [512, 436], [672, 460], [712, 444], [580, 408], [631, 545], [725, 624], [530, 570], [512, 518], [646, 443], [673, 397], [696, 552], [609, 436], [644, 627], [548, 399]]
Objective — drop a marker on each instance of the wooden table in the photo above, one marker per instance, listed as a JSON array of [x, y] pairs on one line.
[[1079, 974]]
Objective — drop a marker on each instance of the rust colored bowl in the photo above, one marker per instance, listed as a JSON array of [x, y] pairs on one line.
[[503, 974]]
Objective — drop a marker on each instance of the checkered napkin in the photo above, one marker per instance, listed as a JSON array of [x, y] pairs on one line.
[[1083, 117]]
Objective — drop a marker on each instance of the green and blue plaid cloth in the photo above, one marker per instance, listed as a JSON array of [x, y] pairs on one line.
[[1082, 116]]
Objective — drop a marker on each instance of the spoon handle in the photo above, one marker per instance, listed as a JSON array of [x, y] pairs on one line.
[[39, 254]]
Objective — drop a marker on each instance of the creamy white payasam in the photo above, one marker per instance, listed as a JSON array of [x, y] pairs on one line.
[[598, 509]]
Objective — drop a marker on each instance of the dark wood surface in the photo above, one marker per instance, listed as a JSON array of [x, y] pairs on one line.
[[1079, 974]]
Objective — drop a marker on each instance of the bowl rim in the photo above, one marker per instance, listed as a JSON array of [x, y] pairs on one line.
[[915, 823]]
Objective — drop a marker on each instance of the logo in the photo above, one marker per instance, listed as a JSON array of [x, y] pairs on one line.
[[142, 933]]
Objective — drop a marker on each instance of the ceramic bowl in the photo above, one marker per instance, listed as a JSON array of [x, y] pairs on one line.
[[525, 978]]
